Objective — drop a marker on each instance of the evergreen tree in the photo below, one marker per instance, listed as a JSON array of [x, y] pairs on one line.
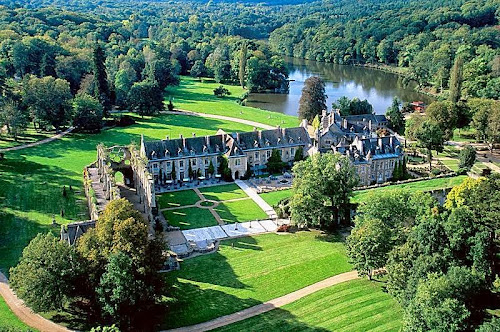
[[396, 117], [243, 64], [101, 92], [313, 99], [456, 78]]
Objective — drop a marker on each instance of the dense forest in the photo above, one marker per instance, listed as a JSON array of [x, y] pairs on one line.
[[424, 37]]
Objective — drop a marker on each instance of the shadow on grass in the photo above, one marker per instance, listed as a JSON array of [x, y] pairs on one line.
[[276, 320]]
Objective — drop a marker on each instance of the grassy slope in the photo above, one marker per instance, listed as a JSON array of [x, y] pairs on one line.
[[195, 95], [357, 305], [272, 198], [188, 218], [223, 193], [240, 211], [31, 180], [10, 321], [257, 269]]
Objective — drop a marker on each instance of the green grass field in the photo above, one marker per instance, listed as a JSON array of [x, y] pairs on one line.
[[272, 198], [427, 185], [357, 305], [255, 270], [240, 211], [29, 136], [223, 193], [9, 321], [31, 180], [177, 198], [189, 218], [195, 95]]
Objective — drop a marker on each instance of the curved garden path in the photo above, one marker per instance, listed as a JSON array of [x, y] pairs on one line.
[[24, 313], [40, 142], [269, 305], [220, 117]]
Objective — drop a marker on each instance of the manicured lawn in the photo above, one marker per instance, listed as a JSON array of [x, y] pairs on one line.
[[255, 270], [177, 198], [31, 180], [240, 211], [357, 305], [188, 218], [29, 136], [195, 95], [433, 184], [223, 193], [451, 164], [274, 197], [9, 321]]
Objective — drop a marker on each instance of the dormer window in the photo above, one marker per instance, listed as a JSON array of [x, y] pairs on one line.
[[167, 153], [153, 155], [192, 152], [217, 148], [279, 140], [290, 140], [205, 148], [267, 143], [179, 152], [255, 144]]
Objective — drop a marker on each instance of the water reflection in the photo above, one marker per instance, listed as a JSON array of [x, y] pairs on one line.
[[377, 86]]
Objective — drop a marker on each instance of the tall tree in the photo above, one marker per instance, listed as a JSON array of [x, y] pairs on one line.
[[243, 64], [146, 98], [46, 274], [87, 113], [456, 78], [445, 114], [313, 99], [14, 117], [48, 100], [396, 117], [322, 188], [368, 246], [102, 91], [430, 136]]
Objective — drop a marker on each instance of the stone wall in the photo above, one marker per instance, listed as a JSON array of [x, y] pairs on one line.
[[90, 193], [144, 183]]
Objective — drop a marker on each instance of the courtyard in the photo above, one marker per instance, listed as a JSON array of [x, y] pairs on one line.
[[209, 206]]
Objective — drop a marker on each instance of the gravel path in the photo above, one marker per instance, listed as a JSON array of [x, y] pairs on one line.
[[24, 313], [267, 306], [40, 142], [220, 117]]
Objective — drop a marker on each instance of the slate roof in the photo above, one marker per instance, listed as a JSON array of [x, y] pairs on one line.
[[222, 143], [272, 138], [189, 146], [72, 232], [364, 149]]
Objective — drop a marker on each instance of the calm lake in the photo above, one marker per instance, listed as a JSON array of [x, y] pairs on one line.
[[377, 86]]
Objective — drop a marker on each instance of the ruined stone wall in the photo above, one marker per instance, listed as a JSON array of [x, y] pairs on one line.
[[144, 183]]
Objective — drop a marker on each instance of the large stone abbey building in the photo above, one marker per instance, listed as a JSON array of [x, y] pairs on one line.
[[354, 136], [171, 158]]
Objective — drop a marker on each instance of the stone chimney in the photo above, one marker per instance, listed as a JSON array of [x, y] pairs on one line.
[[283, 132], [238, 137], [207, 140], [344, 123], [370, 125], [260, 134]]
